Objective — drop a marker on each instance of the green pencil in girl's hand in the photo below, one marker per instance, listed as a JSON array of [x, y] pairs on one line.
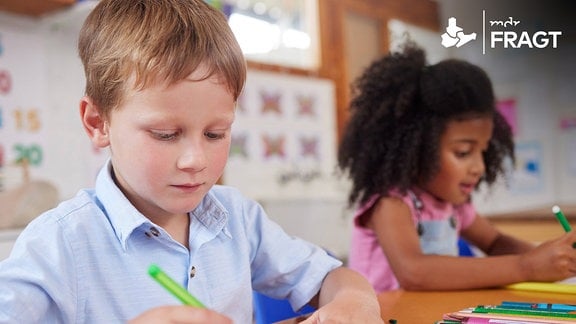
[[173, 287], [561, 218]]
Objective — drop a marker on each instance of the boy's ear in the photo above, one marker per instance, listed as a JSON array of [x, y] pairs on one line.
[[94, 123]]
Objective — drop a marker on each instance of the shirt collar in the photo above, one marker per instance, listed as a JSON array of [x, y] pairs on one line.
[[212, 214], [125, 218]]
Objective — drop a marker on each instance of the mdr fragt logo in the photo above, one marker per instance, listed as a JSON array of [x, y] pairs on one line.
[[505, 33]]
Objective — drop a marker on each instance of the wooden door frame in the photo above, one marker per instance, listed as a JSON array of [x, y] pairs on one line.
[[332, 14]]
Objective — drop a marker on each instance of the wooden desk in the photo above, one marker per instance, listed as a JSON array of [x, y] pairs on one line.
[[409, 307]]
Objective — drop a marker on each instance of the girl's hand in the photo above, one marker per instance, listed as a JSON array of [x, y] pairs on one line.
[[180, 314], [552, 260]]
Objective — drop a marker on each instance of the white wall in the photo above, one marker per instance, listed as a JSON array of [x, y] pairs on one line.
[[326, 222]]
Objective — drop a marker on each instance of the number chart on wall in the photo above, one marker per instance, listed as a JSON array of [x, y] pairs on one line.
[[22, 131]]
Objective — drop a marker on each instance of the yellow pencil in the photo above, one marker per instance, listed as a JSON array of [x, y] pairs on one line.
[[544, 287]]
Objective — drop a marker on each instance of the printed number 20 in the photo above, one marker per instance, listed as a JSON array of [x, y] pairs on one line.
[[32, 153]]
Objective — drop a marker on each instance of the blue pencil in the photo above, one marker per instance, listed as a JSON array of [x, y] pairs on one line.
[[540, 306]]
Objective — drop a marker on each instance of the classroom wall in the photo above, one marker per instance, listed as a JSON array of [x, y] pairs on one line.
[[40, 116]]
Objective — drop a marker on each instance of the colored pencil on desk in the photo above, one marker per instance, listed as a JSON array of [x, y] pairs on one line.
[[544, 287], [542, 306], [523, 312]]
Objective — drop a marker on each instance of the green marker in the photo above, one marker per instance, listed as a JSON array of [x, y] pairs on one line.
[[561, 218], [173, 287]]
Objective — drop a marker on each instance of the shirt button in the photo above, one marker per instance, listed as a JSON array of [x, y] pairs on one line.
[[192, 272], [154, 231]]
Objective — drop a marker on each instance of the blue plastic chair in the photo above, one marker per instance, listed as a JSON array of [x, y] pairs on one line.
[[464, 248], [269, 310]]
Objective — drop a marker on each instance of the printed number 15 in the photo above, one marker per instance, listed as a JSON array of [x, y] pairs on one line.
[[28, 120]]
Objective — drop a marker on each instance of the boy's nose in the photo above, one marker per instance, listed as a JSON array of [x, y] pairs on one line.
[[193, 159]]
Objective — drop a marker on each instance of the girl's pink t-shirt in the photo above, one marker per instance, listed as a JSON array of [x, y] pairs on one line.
[[367, 257]]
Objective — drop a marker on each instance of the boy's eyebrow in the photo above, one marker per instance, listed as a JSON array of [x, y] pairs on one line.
[[163, 116]]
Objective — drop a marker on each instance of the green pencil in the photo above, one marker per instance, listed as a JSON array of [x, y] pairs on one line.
[[173, 287], [561, 218]]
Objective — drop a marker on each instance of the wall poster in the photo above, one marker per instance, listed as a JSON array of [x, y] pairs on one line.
[[22, 121], [527, 177], [284, 138]]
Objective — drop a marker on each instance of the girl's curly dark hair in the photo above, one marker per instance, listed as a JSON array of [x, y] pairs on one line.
[[399, 110]]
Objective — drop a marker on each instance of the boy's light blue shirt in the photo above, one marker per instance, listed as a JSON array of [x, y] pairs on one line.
[[86, 260]]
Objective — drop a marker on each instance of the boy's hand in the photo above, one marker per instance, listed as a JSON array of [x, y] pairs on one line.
[[180, 314], [346, 297], [342, 311]]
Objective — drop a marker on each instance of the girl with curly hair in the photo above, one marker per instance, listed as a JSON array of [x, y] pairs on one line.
[[421, 138]]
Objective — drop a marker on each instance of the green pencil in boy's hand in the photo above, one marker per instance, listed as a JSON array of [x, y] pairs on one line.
[[173, 287]]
